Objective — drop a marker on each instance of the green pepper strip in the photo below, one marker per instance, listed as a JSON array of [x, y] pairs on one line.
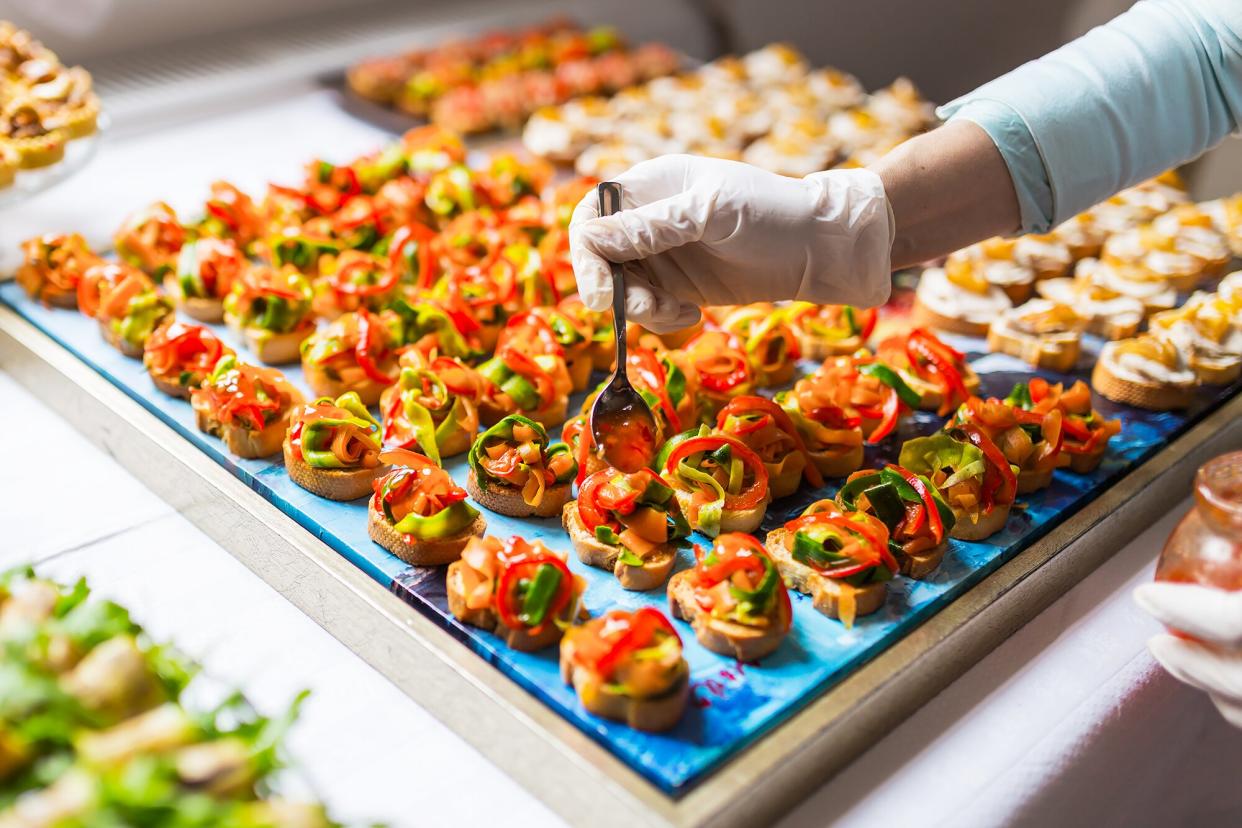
[[890, 378], [503, 430], [753, 603], [543, 588], [448, 521]]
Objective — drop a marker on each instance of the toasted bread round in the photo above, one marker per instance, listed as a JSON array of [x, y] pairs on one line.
[[838, 463], [592, 552], [1216, 372], [922, 564], [926, 317], [334, 484], [322, 385], [276, 349], [507, 500], [1152, 396], [989, 524], [419, 552], [728, 638], [731, 520], [1053, 352], [1032, 481], [210, 311], [490, 413], [242, 441], [171, 387], [655, 714], [1087, 463], [826, 593], [487, 619], [119, 342]]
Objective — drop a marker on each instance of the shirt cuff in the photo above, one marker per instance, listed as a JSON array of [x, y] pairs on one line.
[[1017, 146]]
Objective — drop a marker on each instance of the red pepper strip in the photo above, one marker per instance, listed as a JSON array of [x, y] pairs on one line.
[[362, 351], [940, 359], [520, 363], [928, 498], [422, 235], [542, 330], [591, 512], [996, 459], [730, 559], [342, 284], [583, 447], [225, 215], [1085, 447], [395, 407], [652, 375], [722, 380], [1077, 430], [1026, 417], [744, 424], [888, 422], [875, 534], [290, 192], [525, 566], [740, 406], [915, 515], [640, 633], [871, 316], [744, 500], [1038, 386]]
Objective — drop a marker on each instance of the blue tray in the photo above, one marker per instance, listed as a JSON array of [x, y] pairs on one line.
[[732, 704]]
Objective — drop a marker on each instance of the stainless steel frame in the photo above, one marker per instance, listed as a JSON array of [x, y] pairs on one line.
[[547, 755]]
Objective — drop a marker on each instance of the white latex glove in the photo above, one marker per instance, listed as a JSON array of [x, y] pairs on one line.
[[703, 231], [1213, 616]]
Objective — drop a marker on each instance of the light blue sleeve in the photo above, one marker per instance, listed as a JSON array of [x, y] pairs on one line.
[[1150, 90]]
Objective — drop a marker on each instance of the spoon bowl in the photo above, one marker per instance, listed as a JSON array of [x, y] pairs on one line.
[[622, 425]]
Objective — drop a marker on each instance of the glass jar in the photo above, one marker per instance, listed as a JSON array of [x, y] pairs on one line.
[[1206, 547]]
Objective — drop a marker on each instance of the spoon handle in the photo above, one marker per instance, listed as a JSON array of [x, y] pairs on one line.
[[609, 203]]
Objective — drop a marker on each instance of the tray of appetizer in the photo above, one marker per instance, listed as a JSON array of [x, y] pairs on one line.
[[379, 376], [100, 725]]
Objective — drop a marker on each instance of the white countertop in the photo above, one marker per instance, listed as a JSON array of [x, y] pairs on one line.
[[1070, 717]]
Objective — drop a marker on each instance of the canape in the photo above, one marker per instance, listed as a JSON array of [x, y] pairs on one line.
[[354, 353], [628, 666], [768, 430], [938, 373], [231, 214], [841, 559], [520, 590], [248, 407], [599, 323], [53, 266], [626, 524], [515, 472], [733, 598], [721, 370], [271, 310], [179, 356], [975, 478], [830, 428], [1041, 333], [721, 485], [995, 262], [1145, 372], [151, 239], [353, 280], [537, 387], [205, 272], [1205, 333], [1047, 256], [1029, 440], [125, 303], [432, 408], [830, 330], [545, 330], [768, 341], [1084, 431], [911, 507], [332, 448], [965, 306], [418, 513], [432, 329], [1082, 234], [1107, 313], [866, 388], [1113, 278]]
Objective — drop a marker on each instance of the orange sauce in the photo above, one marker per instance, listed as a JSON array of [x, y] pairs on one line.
[[627, 440]]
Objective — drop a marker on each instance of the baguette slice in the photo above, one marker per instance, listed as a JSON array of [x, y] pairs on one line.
[[1033, 481], [1054, 351], [826, 593], [731, 520], [273, 348], [487, 619], [245, 442], [119, 342], [322, 385], [654, 715], [837, 462], [490, 413], [507, 500], [171, 387], [418, 552], [1152, 396], [592, 552], [922, 564], [727, 638], [334, 484], [989, 524], [924, 316]]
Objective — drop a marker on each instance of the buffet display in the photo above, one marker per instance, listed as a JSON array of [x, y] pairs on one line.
[[498, 79], [43, 104], [96, 729]]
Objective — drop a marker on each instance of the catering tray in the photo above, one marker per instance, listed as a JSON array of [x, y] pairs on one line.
[[824, 696]]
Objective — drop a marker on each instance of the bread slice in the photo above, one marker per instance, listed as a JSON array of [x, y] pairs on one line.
[[924, 316], [507, 500], [1032, 481], [921, 564], [334, 484], [276, 349], [825, 592], [171, 387], [989, 523], [322, 385], [549, 418], [592, 552], [727, 638], [731, 520], [1087, 463], [1053, 351], [487, 619], [418, 552], [210, 311], [818, 348], [838, 462], [242, 441], [1152, 396], [119, 342], [655, 714]]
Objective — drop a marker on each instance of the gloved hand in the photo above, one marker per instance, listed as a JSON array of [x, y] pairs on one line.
[[1214, 661], [704, 231]]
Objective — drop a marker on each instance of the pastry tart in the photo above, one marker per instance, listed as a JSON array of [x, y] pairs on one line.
[[22, 128], [1042, 333]]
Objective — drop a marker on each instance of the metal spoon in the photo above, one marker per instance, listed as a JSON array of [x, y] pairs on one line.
[[621, 421]]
